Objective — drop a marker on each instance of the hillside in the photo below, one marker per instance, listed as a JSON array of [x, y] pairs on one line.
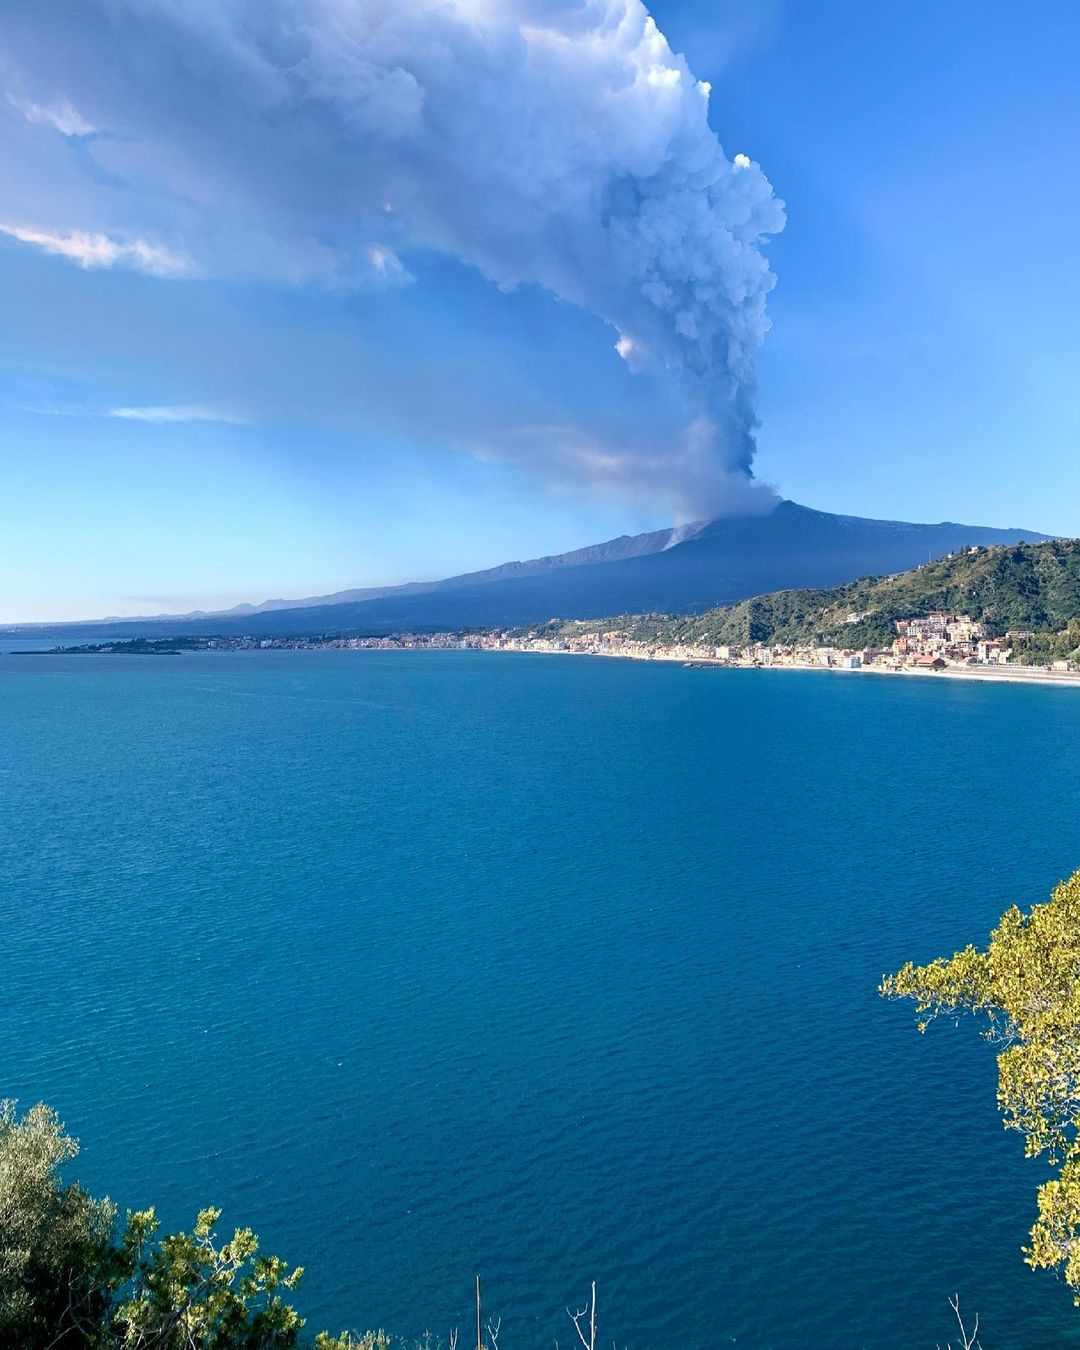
[[1028, 587], [719, 562]]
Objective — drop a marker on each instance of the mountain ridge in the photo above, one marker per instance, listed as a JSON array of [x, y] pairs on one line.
[[1031, 588], [671, 571], [611, 550]]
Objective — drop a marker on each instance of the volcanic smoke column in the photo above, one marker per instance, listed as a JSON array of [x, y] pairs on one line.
[[559, 143], [568, 146]]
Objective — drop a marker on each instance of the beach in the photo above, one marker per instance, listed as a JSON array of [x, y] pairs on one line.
[[986, 674]]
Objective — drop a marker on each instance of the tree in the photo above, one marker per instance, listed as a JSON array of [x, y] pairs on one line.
[[55, 1240], [1025, 987], [70, 1281], [73, 1278], [186, 1290]]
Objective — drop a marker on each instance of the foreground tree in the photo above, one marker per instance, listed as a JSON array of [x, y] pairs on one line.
[[185, 1290], [1026, 988], [55, 1240], [73, 1278], [69, 1280]]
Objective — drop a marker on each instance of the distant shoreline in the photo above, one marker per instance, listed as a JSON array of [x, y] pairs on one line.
[[1036, 675], [78, 651], [986, 674]]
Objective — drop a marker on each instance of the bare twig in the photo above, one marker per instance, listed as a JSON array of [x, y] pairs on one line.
[[969, 1340], [577, 1318]]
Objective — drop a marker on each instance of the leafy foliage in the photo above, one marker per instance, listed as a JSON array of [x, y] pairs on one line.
[[184, 1289], [70, 1279], [371, 1340], [1026, 988], [55, 1252]]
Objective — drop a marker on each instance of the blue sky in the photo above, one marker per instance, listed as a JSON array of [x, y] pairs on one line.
[[223, 377]]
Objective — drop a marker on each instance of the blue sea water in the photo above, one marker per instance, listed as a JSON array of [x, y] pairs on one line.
[[425, 964]]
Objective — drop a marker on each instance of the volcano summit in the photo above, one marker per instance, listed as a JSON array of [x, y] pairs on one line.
[[677, 571]]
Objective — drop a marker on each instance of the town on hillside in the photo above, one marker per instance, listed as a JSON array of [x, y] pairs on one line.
[[937, 641]]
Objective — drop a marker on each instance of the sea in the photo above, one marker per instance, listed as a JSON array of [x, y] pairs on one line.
[[550, 969]]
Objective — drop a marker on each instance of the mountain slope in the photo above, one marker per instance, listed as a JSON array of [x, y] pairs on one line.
[[612, 550], [1031, 587], [724, 561]]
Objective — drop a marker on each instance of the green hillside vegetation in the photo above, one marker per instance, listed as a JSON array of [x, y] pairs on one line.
[[1030, 587], [1023, 989]]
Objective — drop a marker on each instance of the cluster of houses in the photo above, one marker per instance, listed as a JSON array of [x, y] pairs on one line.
[[934, 641], [393, 642], [955, 638], [408, 641]]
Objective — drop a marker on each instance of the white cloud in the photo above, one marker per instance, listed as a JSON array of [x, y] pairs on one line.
[[166, 413], [388, 268], [90, 250], [63, 116], [634, 353]]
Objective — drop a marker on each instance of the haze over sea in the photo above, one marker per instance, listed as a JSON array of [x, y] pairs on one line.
[[554, 969]]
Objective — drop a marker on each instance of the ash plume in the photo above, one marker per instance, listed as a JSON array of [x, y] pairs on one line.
[[559, 144]]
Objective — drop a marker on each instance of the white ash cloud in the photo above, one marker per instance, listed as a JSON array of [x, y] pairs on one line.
[[62, 116], [560, 144], [168, 414], [91, 250]]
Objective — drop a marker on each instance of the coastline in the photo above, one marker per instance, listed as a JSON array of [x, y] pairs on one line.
[[985, 674]]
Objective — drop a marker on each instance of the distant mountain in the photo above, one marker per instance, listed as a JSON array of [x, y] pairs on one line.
[[1033, 589], [614, 550], [680, 571]]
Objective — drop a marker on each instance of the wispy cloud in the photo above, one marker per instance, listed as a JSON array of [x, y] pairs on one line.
[[167, 413], [99, 250], [55, 410], [387, 267], [158, 414], [63, 116]]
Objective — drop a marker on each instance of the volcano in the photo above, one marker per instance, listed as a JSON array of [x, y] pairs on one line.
[[675, 571]]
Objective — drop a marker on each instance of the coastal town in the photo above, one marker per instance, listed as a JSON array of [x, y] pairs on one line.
[[938, 642]]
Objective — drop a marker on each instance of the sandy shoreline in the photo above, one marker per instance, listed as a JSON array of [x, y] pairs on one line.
[[986, 674]]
